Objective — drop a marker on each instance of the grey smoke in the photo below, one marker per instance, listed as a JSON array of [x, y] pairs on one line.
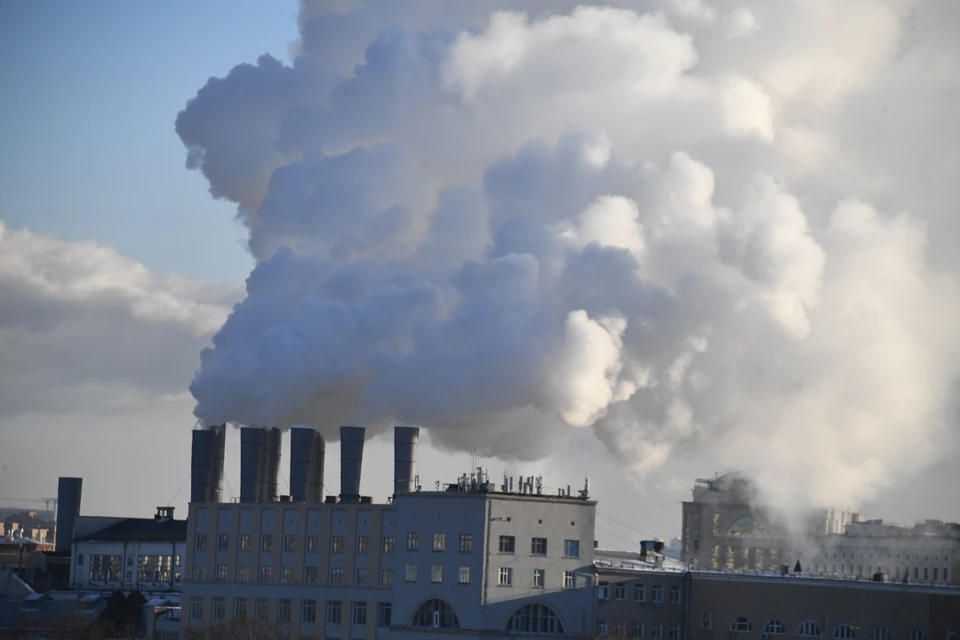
[[502, 226]]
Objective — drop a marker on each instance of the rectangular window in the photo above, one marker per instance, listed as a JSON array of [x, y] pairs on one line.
[[201, 542], [363, 542], [196, 607], [336, 575], [411, 573], [674, 595], [243, 573], [308, 611], [334, 611], [245, 542], [656, 632], [311, 575], [620, 591], [657, 594], [287, 575], [154, 568], [389, 544], [568, 580], [506, 577], [384, 614], [538, 578], [640, 592], [638, 631], [336, 544], [464, 574], [218, 608], [199, 573], [261, 608], [602, 628], [439, 541], [359, 613], [675, 632], [706, 622], [289, 543], [436, 576], [224, 542], [466, 542], [538, 546], [622, 630], [311, 544], [266, 542], [413, 541], [603, 591], [221, 573], [283, 610], [507, 544], [386, 577], [266, 573], [240, 608], [362, 577], [571, 548]]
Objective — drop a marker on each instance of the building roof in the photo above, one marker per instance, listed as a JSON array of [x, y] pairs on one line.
[[611, 560], [141, 530]]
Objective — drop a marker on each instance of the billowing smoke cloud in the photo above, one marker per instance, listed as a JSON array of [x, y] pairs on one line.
[[641, 220]]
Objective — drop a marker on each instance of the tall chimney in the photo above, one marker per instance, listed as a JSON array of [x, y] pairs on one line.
[[69, 491], [206, 464], [306, 464], [405, 441], [273, 465], [351, 460], [252, 452]]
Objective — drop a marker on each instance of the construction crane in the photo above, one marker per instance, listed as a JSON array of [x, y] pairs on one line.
[[46, 501]]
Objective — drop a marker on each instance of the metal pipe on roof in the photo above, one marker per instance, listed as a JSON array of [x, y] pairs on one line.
[[69, 492], [405, 441], [251, 462], [306, 464], [351, 462]]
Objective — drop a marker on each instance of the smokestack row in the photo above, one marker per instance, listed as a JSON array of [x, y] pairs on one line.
[[206, 464], [259, 464], [306, 464]]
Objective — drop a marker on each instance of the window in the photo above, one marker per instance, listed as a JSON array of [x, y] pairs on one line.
[[538, 546], [363, 543], [413, 541], [808, 629], [218, 608], [881, 633], [261, 608], [221, 573], [311, 575], [196, 607], [603, 591], [199, 573], [384, 614], [640, 592], [243, 573], [150, 568], [240, 608], [435, 614], [739, 624], [245, 542], [287, 575], [638, 631], [774, 628], [266, 542], [507, 544], [843, 632], [506, 577], [602, 628], [622, 630], [568, 580], [411, 573], [308, 611], [334, 611], [201, 542], [439, 541], [266, 573], [706, 622], [336, 575], [536, 618], [289, 543], [571, 548], [657, 594], [223, 543], [656, 632], [358, 614], [675, 632], [283, 610], [311, 544], [464, 574], [916, 634], [386, 577], [466, 542], [336, 544], [389, 544], [362, 577], [538, 578], [436, 576]]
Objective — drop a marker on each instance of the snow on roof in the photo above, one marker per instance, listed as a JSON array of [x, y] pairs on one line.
[[631, 561]]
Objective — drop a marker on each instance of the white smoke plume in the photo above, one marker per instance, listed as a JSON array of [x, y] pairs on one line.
[[678, 224]]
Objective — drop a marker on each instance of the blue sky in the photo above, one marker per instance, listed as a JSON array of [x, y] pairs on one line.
[[88, 96]]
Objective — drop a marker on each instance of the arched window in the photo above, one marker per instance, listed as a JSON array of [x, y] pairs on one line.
[[843, 632], [435, 614], [916, 634], [773, 627], [741, 624], [880, 633], [808, 629], [535, 618]]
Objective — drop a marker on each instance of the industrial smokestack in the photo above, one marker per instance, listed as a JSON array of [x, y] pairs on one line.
[[405, 441], [206, 464], [273, 465], [252, 450], [351, 460], [69, 491], [306, 464]]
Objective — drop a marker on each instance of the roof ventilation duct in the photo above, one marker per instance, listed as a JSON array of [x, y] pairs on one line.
[[351, 461], [69, 491], [206, 464], [307, 451], [405, 440]]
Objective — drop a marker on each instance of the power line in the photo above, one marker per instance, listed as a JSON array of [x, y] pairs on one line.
[[645, 534]]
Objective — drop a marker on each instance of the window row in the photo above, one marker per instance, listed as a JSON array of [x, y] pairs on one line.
[[639, 592], [806, 629], [638, 630], [538, 546], [283, 609], [538, 578], [149, 568]]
